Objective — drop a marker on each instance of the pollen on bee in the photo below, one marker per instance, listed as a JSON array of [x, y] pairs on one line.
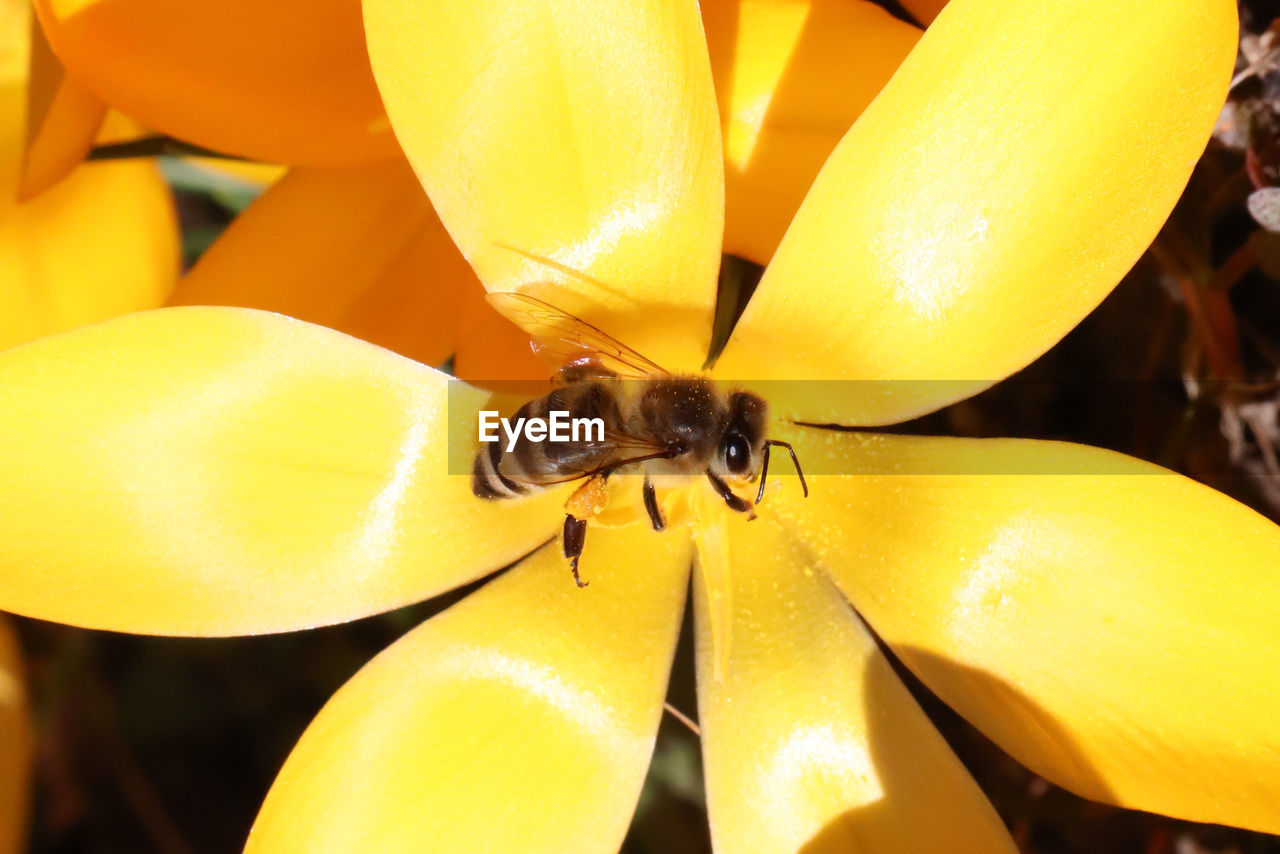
[[588, 499]]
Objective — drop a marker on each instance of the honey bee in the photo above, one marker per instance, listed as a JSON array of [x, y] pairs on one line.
[[655, 423]]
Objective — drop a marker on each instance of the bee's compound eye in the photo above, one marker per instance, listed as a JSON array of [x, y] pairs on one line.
[[737, 453]]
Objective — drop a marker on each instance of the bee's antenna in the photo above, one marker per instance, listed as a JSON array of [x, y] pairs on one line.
[[764, 467]]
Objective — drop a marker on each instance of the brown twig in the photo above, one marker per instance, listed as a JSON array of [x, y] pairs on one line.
[[1210, 314], [683, 718]]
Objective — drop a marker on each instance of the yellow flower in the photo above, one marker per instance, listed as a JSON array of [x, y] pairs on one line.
[[101, 243], [220, 471], [283, 82], [790, 78], [15, 745], [349, 238]]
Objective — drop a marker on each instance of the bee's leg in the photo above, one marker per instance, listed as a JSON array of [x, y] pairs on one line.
[[651, 505], [735, 502], [575, 536]]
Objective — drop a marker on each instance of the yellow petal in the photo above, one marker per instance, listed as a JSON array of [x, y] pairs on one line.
[[222, 471], [568, 147], [791, 76], [251, 173], [15, 20], [102, 242], [491, 348], [1108, 623], [286, 81], [15, 745], [358, 250], [63, 118], [521, 719], [711, 545], [1012, 171], [810, 741], [118, 127]]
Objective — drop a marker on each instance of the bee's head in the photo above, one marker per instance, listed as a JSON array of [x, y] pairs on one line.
[[741, 445]]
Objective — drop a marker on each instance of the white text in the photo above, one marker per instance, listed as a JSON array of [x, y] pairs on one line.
[[559, 427]]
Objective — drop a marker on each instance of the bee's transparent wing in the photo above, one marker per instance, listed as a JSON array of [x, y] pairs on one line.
[[570, 346]]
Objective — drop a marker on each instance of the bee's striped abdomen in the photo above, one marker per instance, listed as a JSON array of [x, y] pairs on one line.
[[487, 481], [530, 466]]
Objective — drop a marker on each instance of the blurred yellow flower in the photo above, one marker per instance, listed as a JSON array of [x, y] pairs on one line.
[[103, 242], [282, 82], [349, 239], [221, 471], [790, 78]]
